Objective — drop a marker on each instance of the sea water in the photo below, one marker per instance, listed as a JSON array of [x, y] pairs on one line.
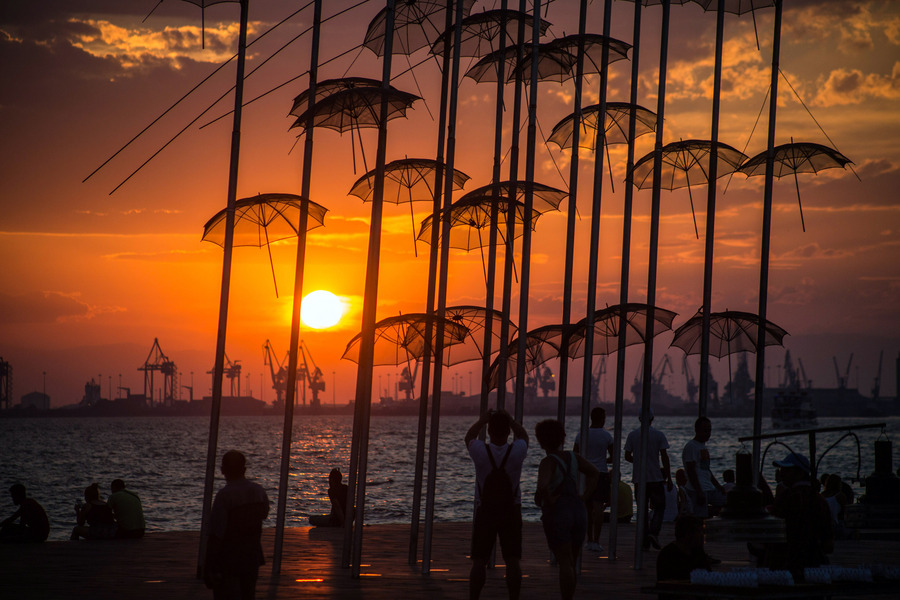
[[163, 460]]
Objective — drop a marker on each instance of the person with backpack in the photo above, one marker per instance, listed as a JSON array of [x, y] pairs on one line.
[[498, 499], [563, 511]]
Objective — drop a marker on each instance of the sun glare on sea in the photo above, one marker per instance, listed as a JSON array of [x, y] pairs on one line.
[[321, 309]]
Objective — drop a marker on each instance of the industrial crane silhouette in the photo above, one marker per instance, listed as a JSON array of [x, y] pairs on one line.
[[313, 378], [158, 361], [232, 373], [278, 371]]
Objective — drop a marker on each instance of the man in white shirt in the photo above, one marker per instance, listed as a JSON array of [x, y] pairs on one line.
[[598, 452], [702, 487], [490, 519], [656, 477]]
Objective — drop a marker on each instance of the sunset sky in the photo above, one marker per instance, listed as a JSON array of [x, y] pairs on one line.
[[91, 279]]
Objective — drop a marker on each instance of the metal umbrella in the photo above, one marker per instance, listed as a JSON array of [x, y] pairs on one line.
[[328, 87], [616, 125], [553, 64], [481, 32], [263, 220], [476, 319], [415, 176], [401, 338], [471, 217], [356, 108], [607, 325], [797, 157], [541, 344], [594, 45], [687, 163], [545, 197], [416, 25], [730, 331]]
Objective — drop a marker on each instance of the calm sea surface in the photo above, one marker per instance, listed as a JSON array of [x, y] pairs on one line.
[[164, 459]]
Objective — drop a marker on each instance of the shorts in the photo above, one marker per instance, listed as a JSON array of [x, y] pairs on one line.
[[486, 527], [602, 491], [565, 522]]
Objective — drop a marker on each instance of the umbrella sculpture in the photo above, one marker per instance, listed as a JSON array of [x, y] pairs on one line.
[[541, 345], [797, 157], [553, 64], [593, 49], [417, 24], [686, 163], [328, 87], [606, 328], [356, 108], [618, 117], [470, 216], [415, 176], [729, 332], [480, 32], [545, 197], [263, 220], [401, 338], [475, 319]]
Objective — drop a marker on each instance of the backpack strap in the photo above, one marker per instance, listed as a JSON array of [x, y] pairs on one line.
[[490, 455]]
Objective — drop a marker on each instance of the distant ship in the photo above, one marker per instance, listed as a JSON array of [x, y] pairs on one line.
[[793, 409]]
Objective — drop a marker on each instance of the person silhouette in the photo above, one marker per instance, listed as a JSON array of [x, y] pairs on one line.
[[94, 518], [337, 494], [127, 508], [33, 524], [234, 552]]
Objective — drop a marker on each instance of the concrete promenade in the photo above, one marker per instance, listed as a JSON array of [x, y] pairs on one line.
[[163, 565]]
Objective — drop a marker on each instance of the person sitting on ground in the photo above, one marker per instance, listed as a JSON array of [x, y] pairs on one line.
[[563, 511], [32, 525], [807, 520], [677, 559], [128, 511], [684, 501], [94, 518], [728, 479], [337, 494]]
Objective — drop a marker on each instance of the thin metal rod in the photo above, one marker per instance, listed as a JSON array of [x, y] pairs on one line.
[[291, 383], [651, 285], [228, 243], [711, 213], [765, 242]]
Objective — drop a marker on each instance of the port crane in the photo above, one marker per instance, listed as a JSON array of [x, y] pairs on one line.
[[407, 381], [692, 387], [278, 371], [232, 372], [842, 381], [314, 378], [158, 361]]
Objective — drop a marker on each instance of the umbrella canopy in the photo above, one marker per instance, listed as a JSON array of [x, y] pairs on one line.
[[474, 319], [593, 49], [729, 332], [481, 32], [401, 338], [541, 345], [264, 219], [797, 157], [327, 88], [735, 7], [356, 107], [686, 163], [544, 197], [406, 180], [554, 64], [606, 328], [618, 117], [417, 24], [470, 219]]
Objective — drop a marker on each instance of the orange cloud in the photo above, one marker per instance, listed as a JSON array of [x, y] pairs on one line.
[[843, 86]]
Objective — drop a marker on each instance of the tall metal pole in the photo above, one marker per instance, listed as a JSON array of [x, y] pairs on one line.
[[442, 297], [367, 342], [623, 285], [651, 284], [427, 351], [766, 238], [570, 220], [219, 368], [291, 383], [711, 214], [587, 373], [525, 277]]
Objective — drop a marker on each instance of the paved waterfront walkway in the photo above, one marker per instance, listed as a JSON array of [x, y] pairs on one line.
[[163, 566]]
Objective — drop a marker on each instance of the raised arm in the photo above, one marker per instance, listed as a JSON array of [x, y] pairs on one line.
[[476, 428], [519, 432]]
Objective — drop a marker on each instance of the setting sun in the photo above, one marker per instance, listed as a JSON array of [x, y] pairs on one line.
[[321, 309]]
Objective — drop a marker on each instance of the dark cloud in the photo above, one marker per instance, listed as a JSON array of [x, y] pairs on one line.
[[46, 307]]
